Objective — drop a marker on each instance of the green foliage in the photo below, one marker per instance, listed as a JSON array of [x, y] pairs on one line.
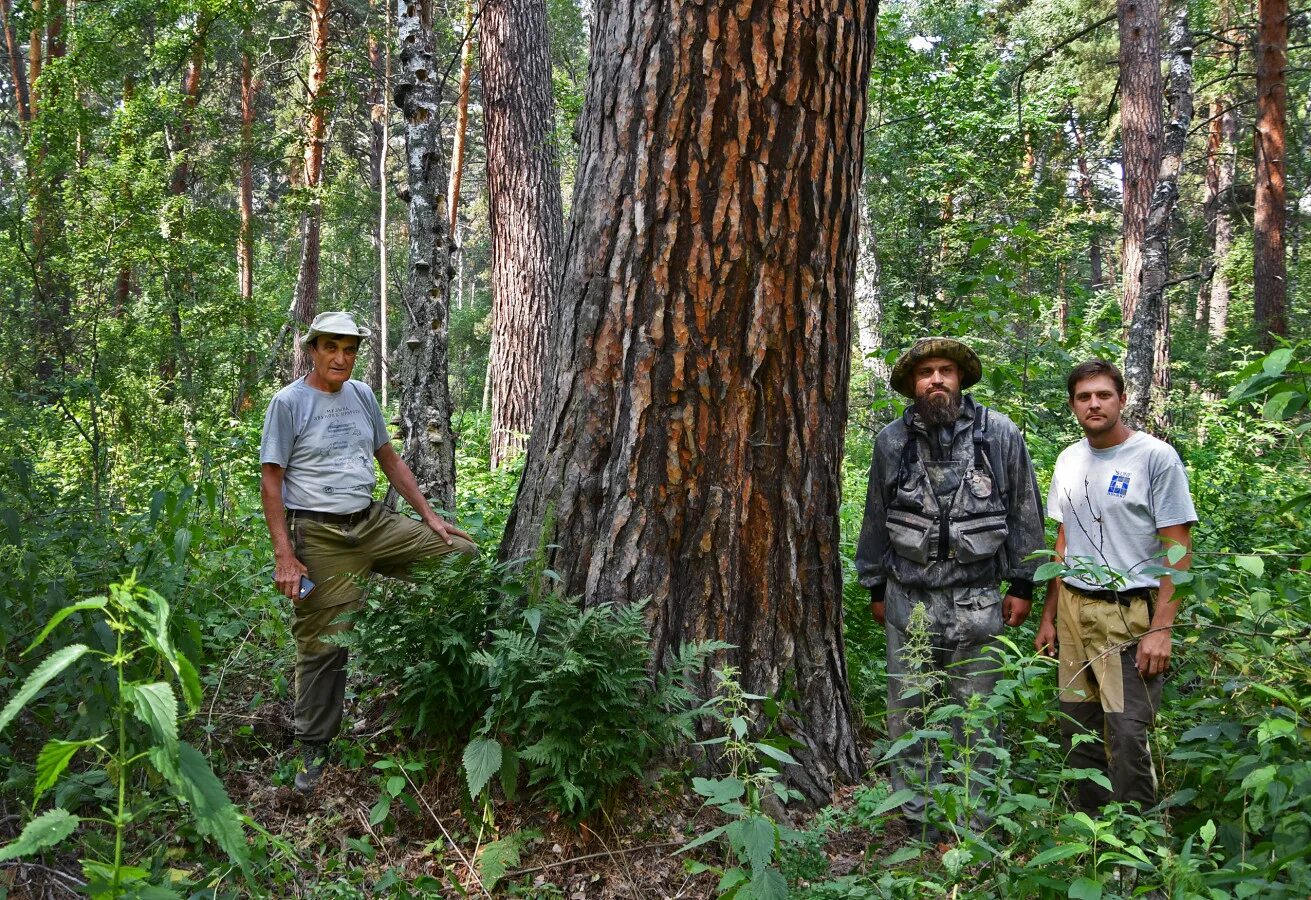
[[138, 619], [754, 840], [573, 703]]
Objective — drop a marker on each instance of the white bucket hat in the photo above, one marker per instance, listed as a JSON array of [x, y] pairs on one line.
[[338, 323]]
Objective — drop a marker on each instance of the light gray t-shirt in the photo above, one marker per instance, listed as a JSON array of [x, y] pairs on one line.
[[325, 443], [1113, 501]]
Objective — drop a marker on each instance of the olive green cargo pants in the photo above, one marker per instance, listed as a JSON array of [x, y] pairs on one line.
[[1103, 694], [339, 558]]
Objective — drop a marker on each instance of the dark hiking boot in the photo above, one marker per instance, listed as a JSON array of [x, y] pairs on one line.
[[313, 758]]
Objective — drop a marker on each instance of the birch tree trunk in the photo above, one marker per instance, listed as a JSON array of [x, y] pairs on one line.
[[1269, 271], [1149, 337], [377, 184], [245, 182], [689, 446], [306, 302], [523, 189], [1141, 88], [869, 304], [425, 408]]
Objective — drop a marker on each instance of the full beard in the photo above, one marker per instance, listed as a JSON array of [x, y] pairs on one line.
[[939, 408]]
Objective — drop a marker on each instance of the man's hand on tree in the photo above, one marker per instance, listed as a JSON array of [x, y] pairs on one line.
[[1014, 610], [287, 573]]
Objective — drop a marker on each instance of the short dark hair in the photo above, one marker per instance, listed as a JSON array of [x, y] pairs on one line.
[[1091, 369]]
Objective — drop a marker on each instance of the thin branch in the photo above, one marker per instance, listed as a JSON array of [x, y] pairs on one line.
[[1059, 45], [575, 859]]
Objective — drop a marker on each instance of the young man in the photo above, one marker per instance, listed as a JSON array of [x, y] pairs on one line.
[[1121, 498], [322, 434], [952, 510]]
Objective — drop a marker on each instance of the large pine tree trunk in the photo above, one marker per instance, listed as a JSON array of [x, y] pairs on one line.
[[523, 189], [1141, 88], [1270, 275], [306, 301], [426, 403], [689, 447], [1146, 369]]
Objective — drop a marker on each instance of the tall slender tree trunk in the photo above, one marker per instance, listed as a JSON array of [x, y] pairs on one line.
[[123, 284], [17, 71], [461, 122], [868, 301], [306, 303], [1141, 88], [377, 179], [245, 182], [1270, 275], [249, 88], [52, 302], [425, 408], [523, 189], [1147, 356], [177, 359], [689, 448], [1096, 280], [1222, 161], [35, 42]]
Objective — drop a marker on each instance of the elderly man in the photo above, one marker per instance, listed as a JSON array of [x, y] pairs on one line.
[[322, 434], [952, 510], [1121, 498]]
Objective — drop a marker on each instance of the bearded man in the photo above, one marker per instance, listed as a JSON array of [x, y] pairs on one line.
[[951, 512]]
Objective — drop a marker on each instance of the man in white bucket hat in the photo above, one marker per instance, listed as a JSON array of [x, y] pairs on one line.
[[322, 434]]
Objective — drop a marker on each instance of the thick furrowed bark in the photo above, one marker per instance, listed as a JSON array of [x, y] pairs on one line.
[[690, 442], [523, 190]]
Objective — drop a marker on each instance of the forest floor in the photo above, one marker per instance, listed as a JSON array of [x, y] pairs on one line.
[[630, 854]]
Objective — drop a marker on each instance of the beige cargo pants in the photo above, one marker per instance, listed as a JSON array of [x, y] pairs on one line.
[[1103, 694], [339, 558]]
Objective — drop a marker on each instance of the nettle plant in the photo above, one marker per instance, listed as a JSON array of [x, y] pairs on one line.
[[144, 737], [754, 840]]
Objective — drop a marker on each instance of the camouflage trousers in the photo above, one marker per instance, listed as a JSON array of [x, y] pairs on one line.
[[950, 664]]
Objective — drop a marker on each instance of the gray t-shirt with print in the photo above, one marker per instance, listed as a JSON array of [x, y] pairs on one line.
[[325, 443], [1112, 503]]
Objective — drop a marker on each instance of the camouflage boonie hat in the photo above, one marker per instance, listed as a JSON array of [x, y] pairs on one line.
[[902, 378]]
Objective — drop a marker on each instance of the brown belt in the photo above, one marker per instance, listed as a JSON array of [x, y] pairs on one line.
[[329, 518]]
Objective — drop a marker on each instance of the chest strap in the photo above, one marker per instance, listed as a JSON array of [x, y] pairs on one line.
[[910, 452]]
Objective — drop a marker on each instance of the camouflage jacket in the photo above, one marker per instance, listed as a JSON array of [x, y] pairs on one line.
[[1008, 484]]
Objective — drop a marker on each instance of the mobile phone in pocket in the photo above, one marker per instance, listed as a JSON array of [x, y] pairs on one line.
[[305, 587]]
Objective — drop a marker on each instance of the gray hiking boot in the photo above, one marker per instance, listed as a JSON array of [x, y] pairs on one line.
[[313, 758]]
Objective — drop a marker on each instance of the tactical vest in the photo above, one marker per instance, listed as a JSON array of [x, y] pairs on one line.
[[970, 526]]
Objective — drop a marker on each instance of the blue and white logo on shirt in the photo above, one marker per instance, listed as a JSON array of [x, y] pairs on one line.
[[1119, 485]]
